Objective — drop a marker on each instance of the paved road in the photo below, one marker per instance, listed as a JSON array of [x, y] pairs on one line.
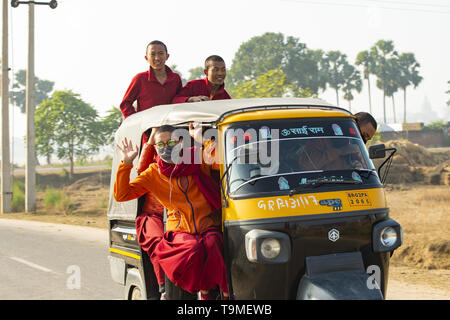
[[53, 261]]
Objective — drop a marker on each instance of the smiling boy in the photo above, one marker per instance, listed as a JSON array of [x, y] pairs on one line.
[[154, 87], [210, 88]]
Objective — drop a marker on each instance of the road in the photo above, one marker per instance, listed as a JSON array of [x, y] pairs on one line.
[[54, 262]]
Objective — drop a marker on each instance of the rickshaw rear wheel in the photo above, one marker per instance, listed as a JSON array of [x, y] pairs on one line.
[[136, 294]]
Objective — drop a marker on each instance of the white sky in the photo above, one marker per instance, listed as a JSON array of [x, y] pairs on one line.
[[95, 47]]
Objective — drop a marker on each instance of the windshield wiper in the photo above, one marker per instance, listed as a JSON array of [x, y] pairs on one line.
[[320, 182]]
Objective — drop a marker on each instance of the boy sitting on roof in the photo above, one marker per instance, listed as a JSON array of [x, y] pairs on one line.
[[190, 252], [210, 88]]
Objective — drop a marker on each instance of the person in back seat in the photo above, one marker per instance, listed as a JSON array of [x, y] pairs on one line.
[[190, 252]]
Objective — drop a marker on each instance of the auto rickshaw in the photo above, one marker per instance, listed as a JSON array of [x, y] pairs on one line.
[[303, 208]]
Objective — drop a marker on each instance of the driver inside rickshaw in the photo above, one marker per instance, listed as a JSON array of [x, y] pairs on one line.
[[190, 252], [328, 154]]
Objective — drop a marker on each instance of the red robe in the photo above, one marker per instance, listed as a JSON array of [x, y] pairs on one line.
[[149, 92], [200, 87]]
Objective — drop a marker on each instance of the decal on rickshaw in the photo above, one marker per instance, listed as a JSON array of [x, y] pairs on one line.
[[333, 235], [356, 176], [335, 203], [303, 130], [283, 183], [292, 203], [358, 199], [265, 132], [337, 129]]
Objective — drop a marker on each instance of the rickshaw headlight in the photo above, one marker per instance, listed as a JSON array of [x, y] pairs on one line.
[[270, 248], [264, 246], [388, 237]]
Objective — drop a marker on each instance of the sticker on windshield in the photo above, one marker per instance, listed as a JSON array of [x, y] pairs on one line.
[[283, 183], [352, 131], [337, 130], [264, 132], [356, 176], [358, 199], [304, 130]]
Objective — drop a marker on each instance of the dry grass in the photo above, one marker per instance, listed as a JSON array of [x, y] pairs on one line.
[[424, 213]]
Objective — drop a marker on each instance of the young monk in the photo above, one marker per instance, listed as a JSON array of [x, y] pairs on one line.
[[156, 86], [190, 252], [210, 88]]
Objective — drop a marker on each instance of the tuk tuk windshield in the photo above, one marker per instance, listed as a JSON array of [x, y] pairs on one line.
[[273, 155]]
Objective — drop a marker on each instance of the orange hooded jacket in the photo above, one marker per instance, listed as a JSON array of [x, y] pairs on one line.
[[187, 208]]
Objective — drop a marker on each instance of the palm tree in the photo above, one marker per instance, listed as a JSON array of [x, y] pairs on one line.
[[408, 74], [334, 62], [393, 81], [383, 51], [352, 81], [365, 59]]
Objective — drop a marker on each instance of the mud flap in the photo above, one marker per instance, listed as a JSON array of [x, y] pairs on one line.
[[337, 277]]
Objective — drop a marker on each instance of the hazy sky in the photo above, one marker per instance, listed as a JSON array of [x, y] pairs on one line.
[[95, 47]]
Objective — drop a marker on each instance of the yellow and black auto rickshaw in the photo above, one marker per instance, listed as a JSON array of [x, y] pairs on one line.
[[304, 210]]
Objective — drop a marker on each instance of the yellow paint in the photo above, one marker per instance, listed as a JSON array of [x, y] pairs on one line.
[[135, 256], [302, 204], [284, 114]]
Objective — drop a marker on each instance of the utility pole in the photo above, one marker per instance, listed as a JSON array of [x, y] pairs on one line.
[[6, 194], [30, 170]]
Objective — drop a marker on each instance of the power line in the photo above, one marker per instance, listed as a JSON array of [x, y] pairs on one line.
[[364, 6]]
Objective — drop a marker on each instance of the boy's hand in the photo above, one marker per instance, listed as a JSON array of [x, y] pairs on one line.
[[128, 153], [198, 99], [195, 131]]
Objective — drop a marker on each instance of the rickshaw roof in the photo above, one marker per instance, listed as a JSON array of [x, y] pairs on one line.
[[212, 111]]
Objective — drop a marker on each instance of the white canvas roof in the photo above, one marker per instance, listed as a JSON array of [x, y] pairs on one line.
[[210, 111]]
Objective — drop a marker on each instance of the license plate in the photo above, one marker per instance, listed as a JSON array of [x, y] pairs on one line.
[[358, 199]]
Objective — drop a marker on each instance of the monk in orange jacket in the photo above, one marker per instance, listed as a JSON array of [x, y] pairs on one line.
[[190, 252]]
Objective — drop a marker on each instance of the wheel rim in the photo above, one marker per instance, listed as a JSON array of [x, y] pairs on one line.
[[136, 294]]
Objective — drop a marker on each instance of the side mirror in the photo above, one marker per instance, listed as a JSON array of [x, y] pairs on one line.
[[377, 152]]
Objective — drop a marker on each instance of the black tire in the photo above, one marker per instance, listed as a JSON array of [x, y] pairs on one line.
[[136, 293], [176, 293]]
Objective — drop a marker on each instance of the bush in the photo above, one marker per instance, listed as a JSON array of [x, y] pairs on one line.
[[57, 199], [18, 200], [52, 198]]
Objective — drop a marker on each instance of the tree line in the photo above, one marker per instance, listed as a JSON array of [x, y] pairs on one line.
[[65, 125], [269, 65], [301, 71]]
